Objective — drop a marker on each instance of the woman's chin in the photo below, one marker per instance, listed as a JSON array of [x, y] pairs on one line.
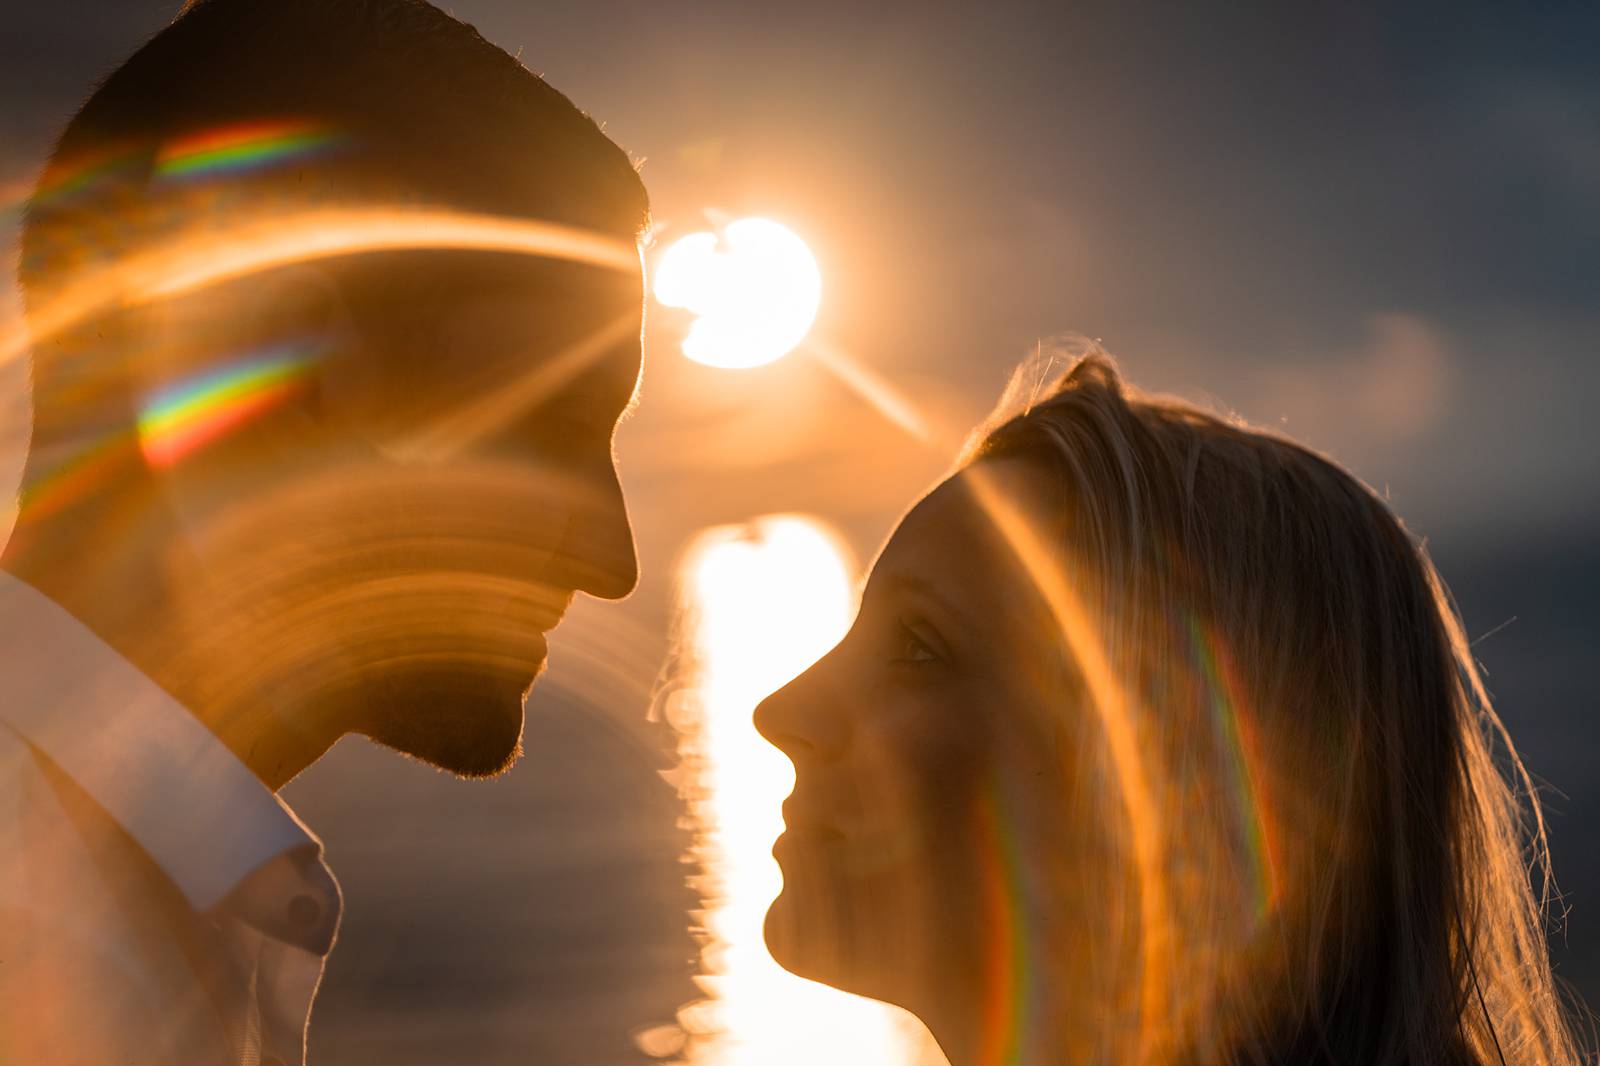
[[799, 942], [782, 936], [805, 935]]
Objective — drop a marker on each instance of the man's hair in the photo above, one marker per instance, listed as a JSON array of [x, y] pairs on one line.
[[390, 95]]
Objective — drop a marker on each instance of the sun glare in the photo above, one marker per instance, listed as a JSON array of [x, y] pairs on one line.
[[754, 290], [768, 599]]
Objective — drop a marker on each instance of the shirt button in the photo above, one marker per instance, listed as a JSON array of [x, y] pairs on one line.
[[304, 912]]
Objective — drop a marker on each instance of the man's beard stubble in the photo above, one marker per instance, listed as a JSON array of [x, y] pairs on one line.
[[464, 718]]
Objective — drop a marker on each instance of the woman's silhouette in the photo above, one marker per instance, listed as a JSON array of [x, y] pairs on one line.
[[1156, 739]]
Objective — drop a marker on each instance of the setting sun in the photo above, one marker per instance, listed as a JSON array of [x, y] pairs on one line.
[[754, 290]]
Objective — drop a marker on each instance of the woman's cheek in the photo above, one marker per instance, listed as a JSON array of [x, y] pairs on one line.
[[921, 771]]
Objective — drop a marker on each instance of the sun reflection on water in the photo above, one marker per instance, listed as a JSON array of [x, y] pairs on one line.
[[766, 600]]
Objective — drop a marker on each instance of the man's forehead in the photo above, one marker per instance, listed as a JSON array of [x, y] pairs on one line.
[[611, 380], [460, 274], [494, 336], [440, 280], [497, 302]]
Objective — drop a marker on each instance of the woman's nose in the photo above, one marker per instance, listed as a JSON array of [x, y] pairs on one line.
[[802, 719]]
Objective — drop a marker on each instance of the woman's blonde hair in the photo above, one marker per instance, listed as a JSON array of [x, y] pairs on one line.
[[1326, 829]]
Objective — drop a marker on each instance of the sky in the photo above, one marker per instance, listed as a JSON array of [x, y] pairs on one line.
[[1374, 228]]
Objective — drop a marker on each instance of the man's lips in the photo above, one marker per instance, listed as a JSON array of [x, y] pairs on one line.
[[542, 618], [538, 616]]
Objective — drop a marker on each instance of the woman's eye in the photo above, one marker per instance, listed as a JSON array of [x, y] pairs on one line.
[[910, 648]]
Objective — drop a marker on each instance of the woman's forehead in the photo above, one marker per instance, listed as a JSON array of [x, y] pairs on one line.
[[952, 533]]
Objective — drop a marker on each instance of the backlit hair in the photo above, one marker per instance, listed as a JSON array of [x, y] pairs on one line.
[[256, 109], [1325, 860], [363, 97]]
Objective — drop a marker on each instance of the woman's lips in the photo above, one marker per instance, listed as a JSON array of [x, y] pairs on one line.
[[801, 841], [803, 831], [820, 834], [800, 818]]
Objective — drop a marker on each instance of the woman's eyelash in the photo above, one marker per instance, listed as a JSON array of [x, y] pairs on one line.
[[912, 648]]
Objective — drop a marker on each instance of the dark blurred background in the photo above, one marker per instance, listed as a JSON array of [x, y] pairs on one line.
[[1374, 225]]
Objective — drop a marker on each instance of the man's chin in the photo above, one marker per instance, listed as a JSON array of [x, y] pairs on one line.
[[465, 722]]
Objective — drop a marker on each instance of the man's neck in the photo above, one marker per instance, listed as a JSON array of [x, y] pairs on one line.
[[111, 566]]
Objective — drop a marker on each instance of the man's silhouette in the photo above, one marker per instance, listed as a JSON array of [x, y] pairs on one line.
[[344, 494]]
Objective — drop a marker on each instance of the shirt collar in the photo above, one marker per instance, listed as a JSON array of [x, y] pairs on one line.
[[188, 801]]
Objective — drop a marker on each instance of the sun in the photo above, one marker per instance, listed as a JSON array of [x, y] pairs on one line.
[[754, 290]]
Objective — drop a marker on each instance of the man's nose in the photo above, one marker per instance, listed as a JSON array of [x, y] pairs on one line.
[[599, 547], [802, 720]]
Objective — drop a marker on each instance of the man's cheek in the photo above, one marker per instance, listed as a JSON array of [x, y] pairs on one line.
[[364, 521]]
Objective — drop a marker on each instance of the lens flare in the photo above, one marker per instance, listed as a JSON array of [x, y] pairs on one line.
[[224, 151], [875, 391], [767, 600], [461, 426], [184, 417], [71, 478], [1114, 708], [1226, 697], [243, 148], [64, 181], [1008, 968], [190, 263], [754, 290]]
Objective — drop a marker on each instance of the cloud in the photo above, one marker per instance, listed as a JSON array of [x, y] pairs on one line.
[[1395, 388]]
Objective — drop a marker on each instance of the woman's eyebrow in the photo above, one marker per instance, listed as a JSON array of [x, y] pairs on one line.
[[922, 588]]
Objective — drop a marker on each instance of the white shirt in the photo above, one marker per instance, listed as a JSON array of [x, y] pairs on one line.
[[158, 903]]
